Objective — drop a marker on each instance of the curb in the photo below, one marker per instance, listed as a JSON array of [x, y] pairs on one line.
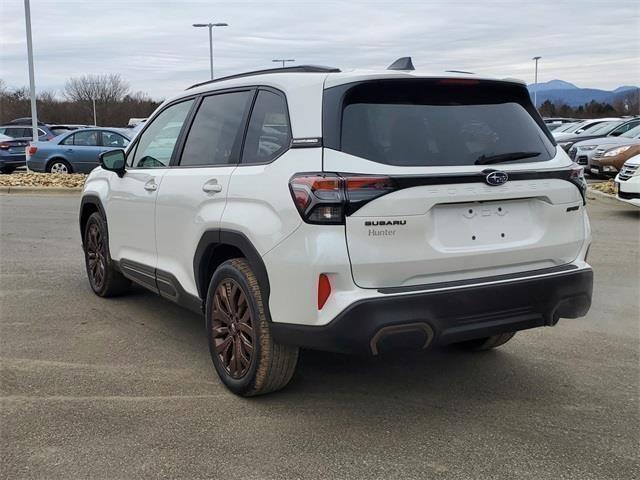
[[597, 195], [41, 190]]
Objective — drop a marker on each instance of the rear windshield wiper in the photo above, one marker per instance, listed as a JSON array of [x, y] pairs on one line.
[[504, 157]]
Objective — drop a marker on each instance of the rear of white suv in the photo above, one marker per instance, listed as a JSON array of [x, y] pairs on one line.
[[458, 216], [345, 212]]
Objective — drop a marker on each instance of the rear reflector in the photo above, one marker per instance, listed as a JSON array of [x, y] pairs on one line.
[[324, 290]]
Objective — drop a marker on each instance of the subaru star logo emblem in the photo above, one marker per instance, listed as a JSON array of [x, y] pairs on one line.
[[496, 178]]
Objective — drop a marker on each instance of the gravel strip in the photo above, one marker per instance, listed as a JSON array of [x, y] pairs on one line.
[[31, 179]]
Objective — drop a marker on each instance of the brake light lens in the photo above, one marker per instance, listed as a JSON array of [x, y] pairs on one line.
[[458, 81], [31, 150], [326, 198], [324, 290], [318, 197]]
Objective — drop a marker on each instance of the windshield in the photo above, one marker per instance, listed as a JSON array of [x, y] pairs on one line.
[[633, 133], [566, 126], [601, 128], [415, 123]]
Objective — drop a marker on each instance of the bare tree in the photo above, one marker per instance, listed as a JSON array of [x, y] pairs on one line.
[[103, 88], [106, 90]]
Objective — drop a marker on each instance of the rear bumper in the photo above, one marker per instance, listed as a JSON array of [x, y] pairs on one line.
[[447, 316], [12, 161]]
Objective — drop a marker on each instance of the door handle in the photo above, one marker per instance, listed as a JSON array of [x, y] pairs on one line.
[[151, 186], [212, 186]]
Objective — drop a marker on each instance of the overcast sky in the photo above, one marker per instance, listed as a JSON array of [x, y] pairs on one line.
[[154, 47]]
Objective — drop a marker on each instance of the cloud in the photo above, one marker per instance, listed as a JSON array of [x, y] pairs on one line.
[[153, 45]]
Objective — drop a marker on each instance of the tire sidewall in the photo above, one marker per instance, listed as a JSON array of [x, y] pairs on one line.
[[96, 218], [246, 383]]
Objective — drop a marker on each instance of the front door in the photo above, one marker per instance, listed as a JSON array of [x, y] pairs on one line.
[[132, 203]]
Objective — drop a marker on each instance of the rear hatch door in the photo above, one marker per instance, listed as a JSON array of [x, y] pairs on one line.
[[478, 186]]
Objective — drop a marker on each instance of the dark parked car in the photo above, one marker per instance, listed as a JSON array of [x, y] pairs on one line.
[[612, 128], [21, 128], [24, 132], [76, 151], [12, 153]]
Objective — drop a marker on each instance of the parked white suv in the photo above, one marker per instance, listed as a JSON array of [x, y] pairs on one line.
[[351, 212]]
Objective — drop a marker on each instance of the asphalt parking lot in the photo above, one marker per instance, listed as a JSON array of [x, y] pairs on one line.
[[124, 388]]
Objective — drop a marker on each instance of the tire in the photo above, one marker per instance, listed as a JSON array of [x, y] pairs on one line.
[[103, 277], [58, 165], [7, 170], [243, 352], [486, 343]]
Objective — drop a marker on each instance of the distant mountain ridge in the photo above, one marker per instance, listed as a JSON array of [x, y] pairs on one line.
[[559, 91]]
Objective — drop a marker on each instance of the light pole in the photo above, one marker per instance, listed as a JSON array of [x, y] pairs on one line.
[[210, 27], [32, 80], [535, 82], [283, 60], [94, 87]]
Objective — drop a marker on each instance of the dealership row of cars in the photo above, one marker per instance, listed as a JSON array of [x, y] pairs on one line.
[[60, 148], [604, 146]]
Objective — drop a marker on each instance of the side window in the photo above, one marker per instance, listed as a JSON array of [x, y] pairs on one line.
[[68, 140], [268, 134], [115, 140], [86, 139], [156, 143], [14, 132], [216, 129]]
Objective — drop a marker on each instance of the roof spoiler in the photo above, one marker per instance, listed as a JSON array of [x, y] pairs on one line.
[[403, 63]]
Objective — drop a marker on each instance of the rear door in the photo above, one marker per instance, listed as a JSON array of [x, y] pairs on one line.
[[449, 216], [193, 193]]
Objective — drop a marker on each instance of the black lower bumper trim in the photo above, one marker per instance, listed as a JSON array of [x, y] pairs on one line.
[[452, 315]]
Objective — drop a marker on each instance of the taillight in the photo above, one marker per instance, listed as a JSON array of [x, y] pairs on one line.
[[4, 146], [325, 198], [31, 150], [576, 176]]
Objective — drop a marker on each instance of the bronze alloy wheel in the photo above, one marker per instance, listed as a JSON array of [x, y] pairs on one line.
[[232, 328], [96, 256]]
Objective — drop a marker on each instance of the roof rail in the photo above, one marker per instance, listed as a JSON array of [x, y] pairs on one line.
[[459, 71], [295, 69]]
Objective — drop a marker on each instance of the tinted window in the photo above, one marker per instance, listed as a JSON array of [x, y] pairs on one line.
[[416, 123], [157, 142], [112, 139], [215, 130], [17, 132], [268, 134], [86, 139]]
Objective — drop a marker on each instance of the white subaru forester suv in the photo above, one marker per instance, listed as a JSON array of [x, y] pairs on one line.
[[359, 212]]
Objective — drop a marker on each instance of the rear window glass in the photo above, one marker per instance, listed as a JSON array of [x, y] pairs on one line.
[[431, 123]]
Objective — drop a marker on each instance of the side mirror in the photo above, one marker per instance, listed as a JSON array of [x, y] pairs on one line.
[[114, 161]]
